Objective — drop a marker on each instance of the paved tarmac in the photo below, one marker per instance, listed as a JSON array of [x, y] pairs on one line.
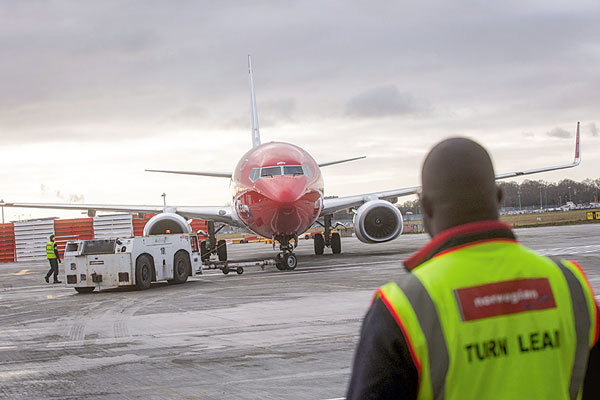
[[265, 334]]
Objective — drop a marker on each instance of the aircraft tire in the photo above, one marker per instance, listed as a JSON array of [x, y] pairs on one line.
[[336, 243], [319, 243], [222, 250], [279, 262], [204, 253], [290, 262], [143, 272]]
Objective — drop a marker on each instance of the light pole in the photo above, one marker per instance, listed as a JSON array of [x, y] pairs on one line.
[[541, 205], [519, 192], [570, 194], [164, 196]]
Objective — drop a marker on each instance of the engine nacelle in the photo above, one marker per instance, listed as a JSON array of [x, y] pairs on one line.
[[377, 221], [163, 222]]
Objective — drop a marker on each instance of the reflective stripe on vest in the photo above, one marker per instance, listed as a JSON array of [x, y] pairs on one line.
[[547, 336], [581, 314], [50, 250], [427, 315]]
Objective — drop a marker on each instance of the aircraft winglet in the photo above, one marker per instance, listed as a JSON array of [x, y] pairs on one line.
[[577, 159]]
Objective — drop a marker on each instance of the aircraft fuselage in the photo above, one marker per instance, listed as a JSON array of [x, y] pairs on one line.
[[277, 190]]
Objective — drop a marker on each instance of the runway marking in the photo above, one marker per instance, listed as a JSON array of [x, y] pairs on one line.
[[52, 297], [22, 272], [36, 288]]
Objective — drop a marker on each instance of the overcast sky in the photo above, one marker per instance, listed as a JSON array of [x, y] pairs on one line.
[[92, 93]]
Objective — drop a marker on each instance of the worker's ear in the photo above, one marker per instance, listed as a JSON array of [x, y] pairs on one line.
[[427, 208], [499, 194], [426, 205]]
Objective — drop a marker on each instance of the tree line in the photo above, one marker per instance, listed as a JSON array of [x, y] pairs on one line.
[[536, 194]]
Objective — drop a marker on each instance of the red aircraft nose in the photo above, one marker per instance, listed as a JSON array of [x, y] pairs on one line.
[[283, 190]]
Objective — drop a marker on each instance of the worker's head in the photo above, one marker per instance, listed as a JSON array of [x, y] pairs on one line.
[[52, 238], [458, 185]]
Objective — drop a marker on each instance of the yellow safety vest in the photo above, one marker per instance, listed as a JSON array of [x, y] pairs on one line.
[[493, 319], [50, 246]]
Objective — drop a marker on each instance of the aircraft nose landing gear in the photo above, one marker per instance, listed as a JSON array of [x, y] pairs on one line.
[[286, 260]]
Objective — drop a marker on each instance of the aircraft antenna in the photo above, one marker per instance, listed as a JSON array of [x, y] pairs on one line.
[[255, 131]]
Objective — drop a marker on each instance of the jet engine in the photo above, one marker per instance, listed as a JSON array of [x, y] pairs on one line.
[[163, 222], [377, 221]]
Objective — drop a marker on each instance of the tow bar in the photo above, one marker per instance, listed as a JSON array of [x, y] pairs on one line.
[[226, 266]]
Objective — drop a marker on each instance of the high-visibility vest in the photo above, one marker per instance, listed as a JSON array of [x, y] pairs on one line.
[[50, 246], [496, 320]]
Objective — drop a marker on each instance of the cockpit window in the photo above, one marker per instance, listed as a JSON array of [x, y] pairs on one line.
[[256, 173], [307, 171], [292, 170], [270, 171]]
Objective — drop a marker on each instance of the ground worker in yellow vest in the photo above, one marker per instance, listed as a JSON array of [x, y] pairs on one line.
[[54, 258], [478, 316]]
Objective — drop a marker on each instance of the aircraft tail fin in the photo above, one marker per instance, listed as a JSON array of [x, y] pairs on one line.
[[255, 131]]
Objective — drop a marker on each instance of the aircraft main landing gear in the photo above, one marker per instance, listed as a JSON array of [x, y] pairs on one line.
[[213, 246], [327, 238]]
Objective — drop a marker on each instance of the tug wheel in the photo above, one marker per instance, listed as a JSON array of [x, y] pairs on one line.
[[83, 290]]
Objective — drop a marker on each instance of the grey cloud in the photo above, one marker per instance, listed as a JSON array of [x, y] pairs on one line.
[[277, 111], [141, 63], [187, 116], [528, 134], [69, 198], [383, 101], [593, 129], [559, 133]]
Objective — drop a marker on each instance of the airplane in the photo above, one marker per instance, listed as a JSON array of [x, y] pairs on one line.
[[279, 194]]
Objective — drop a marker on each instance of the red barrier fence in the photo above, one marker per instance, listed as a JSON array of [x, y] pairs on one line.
[[72, 229], [7, 243], [139, 223]]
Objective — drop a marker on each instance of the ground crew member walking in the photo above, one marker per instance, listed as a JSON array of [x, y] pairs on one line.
[[478, 316], [53, 258]]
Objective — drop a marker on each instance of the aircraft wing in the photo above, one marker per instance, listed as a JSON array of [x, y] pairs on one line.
[[198, 173], [214, 213], [326, 164], [576, 161], [340, 203]]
